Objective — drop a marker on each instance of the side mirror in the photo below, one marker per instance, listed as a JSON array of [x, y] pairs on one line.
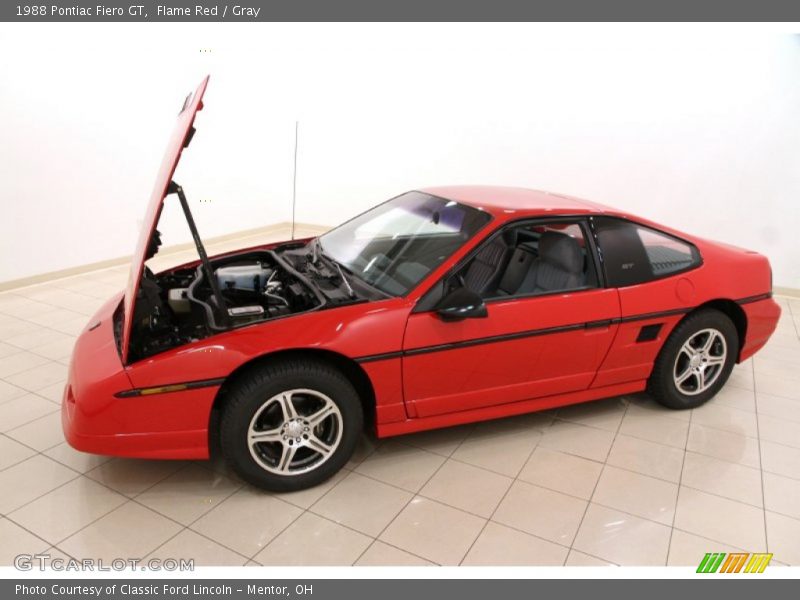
[[461, 303]]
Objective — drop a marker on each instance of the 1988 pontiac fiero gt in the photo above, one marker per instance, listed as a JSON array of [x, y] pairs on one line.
[[439, 307]]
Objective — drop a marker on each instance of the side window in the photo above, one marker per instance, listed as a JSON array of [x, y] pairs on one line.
[[634, 254], [532, 258], [667, 254]]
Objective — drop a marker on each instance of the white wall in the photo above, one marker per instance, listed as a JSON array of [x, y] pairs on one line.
[[695, 127]]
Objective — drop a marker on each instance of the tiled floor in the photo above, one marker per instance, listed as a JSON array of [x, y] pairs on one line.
[[620, 481]]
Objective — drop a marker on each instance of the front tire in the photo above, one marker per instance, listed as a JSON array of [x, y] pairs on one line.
[[696, 360], [290, 425]]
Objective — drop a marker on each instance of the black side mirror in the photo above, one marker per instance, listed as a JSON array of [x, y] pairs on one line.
[[461, 303]]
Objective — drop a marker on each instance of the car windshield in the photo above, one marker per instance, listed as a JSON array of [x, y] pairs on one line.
[[397, 244]]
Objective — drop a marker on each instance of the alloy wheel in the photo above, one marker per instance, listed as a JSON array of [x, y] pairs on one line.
[[294, 432], [700, 361]]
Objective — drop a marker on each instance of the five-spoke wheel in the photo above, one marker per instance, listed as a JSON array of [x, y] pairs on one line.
[[695, 361], [699, 362], [294, 431], [290, 425]]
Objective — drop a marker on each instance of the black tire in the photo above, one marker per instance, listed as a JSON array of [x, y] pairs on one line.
[[249, 395], [662, 383]]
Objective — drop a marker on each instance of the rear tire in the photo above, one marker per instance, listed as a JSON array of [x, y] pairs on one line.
[[696, 360], [290, 425]]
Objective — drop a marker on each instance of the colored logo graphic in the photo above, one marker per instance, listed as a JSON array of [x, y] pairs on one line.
[[735, 562]]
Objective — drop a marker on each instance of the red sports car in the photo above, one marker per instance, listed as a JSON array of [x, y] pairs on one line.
[[438, 307]]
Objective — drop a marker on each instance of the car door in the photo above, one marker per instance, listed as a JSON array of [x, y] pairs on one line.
[[533, 343]]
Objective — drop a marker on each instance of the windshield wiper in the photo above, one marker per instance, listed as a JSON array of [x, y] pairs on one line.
[[350, 290], [317, 253], [313, 256]]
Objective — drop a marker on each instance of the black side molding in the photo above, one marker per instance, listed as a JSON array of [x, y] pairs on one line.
[[383, 356], [757, 298], [647, 333]]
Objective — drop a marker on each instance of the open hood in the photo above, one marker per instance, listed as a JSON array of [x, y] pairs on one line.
[[181, 136]]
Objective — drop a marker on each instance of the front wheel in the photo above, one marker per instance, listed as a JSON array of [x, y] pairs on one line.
[[696, 360], [290, 426]]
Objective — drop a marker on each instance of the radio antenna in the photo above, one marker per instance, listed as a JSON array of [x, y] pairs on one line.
[[294, 176]]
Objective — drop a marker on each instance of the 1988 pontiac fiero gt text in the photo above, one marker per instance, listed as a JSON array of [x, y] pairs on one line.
[[439, 307]]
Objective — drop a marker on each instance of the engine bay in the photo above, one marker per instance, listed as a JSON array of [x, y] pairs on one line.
[[180, 306]]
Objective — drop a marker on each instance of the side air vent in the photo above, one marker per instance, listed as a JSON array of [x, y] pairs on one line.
[[649, 332]]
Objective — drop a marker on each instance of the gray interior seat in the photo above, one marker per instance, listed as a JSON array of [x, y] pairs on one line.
[[518, 267], [485, 270], [558, 267]]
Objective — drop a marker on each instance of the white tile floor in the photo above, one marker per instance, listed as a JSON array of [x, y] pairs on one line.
[[620, 481]]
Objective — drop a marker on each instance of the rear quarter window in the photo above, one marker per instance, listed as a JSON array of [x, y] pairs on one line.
[[634, 254]]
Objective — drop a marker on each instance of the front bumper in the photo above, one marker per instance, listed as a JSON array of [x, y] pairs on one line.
[[96, 421]]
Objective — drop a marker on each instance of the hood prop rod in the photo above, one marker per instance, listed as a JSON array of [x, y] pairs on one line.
[[174, 188]]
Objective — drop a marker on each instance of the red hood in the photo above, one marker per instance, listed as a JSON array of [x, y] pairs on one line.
[[181, 136]]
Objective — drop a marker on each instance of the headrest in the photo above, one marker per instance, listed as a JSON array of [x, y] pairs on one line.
[[510, 237], [561, 251]]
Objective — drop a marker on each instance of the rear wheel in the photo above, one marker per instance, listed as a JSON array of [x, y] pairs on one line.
[[291, 425], [696, 360]]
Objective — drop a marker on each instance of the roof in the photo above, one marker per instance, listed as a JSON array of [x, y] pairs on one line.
[[505, 200]]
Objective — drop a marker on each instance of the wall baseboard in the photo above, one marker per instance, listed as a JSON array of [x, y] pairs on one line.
[[164, 251], [786, 291]]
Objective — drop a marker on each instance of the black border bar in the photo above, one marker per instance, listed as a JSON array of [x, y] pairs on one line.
[[695, 587], [404, 11]]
